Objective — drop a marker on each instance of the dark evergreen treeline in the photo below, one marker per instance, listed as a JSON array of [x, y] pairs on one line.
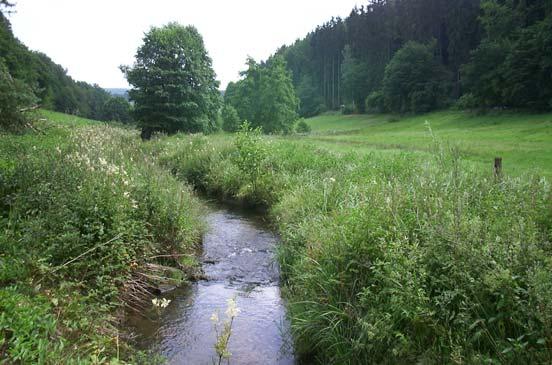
[[49, 84], [488, 53]]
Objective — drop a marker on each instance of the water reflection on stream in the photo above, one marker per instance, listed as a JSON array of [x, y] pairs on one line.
[[238, 260]]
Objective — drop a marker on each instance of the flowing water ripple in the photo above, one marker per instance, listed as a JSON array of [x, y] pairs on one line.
[[238, 261]]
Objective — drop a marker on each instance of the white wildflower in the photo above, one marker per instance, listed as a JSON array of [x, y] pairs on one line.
[[160, 303], [232, 310]]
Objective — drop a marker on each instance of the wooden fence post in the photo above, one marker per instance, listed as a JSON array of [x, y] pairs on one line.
[[498, 167]]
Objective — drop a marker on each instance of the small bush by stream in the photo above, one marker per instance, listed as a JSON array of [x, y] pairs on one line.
[[393, 259], [85, 214]]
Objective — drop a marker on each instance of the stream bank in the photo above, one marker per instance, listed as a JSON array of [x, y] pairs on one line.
[[238, 262]]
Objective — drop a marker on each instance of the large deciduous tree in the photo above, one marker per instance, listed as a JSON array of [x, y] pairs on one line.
[[265, 96], [174, 86], [414, 81], [278, 102]]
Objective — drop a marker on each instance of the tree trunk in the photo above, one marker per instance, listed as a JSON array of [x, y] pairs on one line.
[[146, 133]]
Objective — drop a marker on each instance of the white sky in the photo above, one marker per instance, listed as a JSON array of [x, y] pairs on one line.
[[91, 38]]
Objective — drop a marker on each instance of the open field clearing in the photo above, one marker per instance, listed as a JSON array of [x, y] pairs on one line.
[[524, 141]]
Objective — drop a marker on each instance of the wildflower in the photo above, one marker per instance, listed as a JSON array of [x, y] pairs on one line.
[[160, 303], [224, 330], [232, 310], [112, 170], [126, 194], [332, 179]]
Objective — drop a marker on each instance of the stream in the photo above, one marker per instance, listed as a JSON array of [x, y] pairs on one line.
[[239, 262]]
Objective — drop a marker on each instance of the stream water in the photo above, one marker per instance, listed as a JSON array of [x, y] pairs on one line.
[[238, 261]]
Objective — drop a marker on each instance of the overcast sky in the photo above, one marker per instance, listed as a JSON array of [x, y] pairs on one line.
[[91, 38]]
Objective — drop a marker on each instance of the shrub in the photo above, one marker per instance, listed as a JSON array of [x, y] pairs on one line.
[[467, 101], [302, 127], [375, 102], [252, 161]]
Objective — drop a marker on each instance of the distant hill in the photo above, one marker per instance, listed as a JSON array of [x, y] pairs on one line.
[[49, 82], [118, 92]]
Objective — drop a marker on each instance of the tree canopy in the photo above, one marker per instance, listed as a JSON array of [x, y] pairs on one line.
[[174, 86], [265, 96], [512, 66], [14, 96], [230, 119], [117, 109], [494, 52], [414, 81]]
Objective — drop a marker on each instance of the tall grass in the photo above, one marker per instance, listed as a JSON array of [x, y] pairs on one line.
[[84, 213], [394, 259]]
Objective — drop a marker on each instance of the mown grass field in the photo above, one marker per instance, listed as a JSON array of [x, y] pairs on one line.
[[67, 119], [524, 141]]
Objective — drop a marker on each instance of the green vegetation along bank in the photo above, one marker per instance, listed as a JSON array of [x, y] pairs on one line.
[[414, 254], [86, 220], [393, 258]]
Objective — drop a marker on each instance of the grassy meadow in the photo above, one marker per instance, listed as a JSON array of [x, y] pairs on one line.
[[392, 258], [524, 141], [396, 247]]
